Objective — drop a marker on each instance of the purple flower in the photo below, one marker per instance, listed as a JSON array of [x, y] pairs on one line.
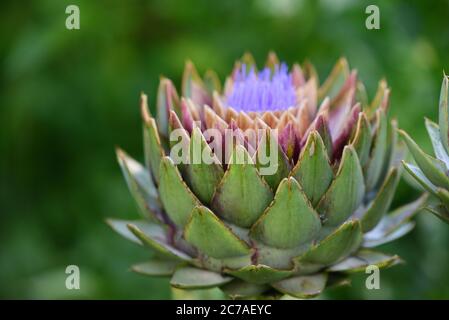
[[267, 90]]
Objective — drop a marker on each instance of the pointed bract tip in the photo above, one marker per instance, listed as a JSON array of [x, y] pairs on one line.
[[144, 109], [445, 79], [343, 61], [173, 120], [108, 221], [188, 64], [400, 131], [314, 134], [164, 81], [403, 134], [210, 73], [172, 116], [133, 228], [348, 149], [190, 69], [383, 83], [272, 59], [119, 152], [166, 161], [248, 58], [272, 54], [352, 79]]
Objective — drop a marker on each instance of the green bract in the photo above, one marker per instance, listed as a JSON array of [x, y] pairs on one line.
[[228, 223], [432, 172]]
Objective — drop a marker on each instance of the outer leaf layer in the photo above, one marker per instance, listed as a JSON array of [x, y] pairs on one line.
[[313, 170], [302, 286], [290, 220], [192, 278], [346, 191], [336, 246], [212, 237], [242, 195], [202, 176], [176, 197]]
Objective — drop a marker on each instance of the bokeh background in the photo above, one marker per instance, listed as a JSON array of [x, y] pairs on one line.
[[68, 97]]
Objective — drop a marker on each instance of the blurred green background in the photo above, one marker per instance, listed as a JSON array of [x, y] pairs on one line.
[[68, 97]]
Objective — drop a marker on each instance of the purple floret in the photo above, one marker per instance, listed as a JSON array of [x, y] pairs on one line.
[[262, 91]]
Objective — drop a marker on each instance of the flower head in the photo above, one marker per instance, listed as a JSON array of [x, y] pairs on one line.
[[221, 219]]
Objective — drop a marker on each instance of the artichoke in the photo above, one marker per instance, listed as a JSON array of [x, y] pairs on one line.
[[236, 224], [432, 172]]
